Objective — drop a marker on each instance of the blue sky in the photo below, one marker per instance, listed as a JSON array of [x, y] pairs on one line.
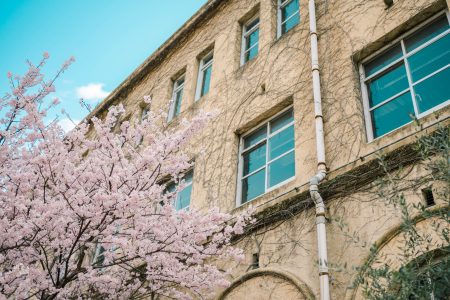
[[108, 38]]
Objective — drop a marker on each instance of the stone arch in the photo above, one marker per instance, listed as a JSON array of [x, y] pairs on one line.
[[389, 241], [267, 284]]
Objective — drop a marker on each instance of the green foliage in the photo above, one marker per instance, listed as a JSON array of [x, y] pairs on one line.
[[424, 258]]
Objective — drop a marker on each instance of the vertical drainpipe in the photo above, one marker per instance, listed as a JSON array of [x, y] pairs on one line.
[[321, 164]]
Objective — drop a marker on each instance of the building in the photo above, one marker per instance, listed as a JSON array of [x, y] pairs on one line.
[[250, 61]]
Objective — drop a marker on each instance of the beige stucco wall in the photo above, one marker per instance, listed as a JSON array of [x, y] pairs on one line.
[[280, 76]]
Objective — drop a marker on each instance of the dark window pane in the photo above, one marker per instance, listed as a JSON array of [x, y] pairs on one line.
[[383, 60], [207, 60], [289, 24], [427, 33], [255, 137], [281, 121], [178, 97], [100, 260], [430, 59], [392, 115], [171, 187], [254, 159], [251, 53], [433, 91], [253, 186], [281, 142], [252, 24], [206, 80], [188, 176], [387, 85], [282, 169], [180, 82]]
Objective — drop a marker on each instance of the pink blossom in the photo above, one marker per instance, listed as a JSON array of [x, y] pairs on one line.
[[95, 207]]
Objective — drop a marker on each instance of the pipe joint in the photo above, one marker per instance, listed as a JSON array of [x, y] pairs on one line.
[[320, 219], [323, 271], [316, 179]]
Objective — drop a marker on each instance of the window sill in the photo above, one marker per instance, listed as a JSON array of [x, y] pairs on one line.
[[201, 98], [283, 36], [247, 65], [272, 193], [174, 119]]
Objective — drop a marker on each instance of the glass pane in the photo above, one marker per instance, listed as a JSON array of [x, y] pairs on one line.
[[178, 97], [179, 82], [100, 260], [281, 121], [282, 169], [427, 33], [188, 176], [254, 159], [252, 39], [387, 85], [183, 198], [207, 60], [251, 24], [392, 115], [206, 80], [171, 187], [430, 59], [281, 142], [383, 60], [251, 53], [288, 10], [253, 186], [255, 137], [144, 113], [433, 91], [289, 24]]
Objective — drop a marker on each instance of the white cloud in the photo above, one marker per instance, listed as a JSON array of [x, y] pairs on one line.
[[92, 91], [67, 124]]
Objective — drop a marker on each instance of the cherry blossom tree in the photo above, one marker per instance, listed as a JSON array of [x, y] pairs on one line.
[[91, 217]]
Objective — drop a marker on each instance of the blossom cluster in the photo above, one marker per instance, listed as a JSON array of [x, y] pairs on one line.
[[90, 217]]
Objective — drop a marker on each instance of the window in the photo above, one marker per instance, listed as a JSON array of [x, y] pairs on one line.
[[409, 79], [183, 199], [99, 256], [144, 112], [288, 15], [267, 158], [432, 281], [250, 40], [204, 75], [177, 96], [428, 196]]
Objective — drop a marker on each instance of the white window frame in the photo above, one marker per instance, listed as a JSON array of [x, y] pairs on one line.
[[267, 189], [364, 79], [201, 72], [177, 87], [246, 32], [281, 4]]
